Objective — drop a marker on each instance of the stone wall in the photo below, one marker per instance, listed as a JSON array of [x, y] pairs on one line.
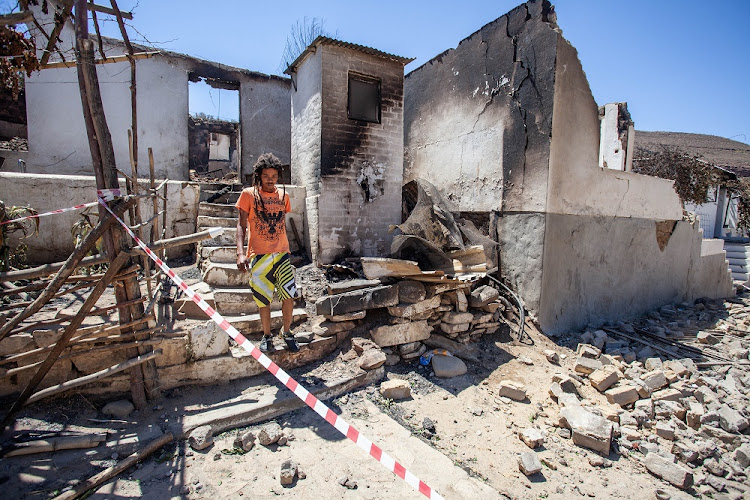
[[54, 242]]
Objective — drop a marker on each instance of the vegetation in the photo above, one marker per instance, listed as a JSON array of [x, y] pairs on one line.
[[301, 35], [693, 178], [17, 57], [15, 257]]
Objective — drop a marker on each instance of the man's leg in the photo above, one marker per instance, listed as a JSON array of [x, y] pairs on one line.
[[263, 294], [287, 308], [286, 288]]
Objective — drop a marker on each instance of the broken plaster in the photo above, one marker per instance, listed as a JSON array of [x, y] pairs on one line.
[[371, 179]]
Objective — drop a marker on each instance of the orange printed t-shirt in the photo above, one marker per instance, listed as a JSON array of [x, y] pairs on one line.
[[267, 227]]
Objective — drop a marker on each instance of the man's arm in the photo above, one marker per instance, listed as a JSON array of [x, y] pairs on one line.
[[241, 238]]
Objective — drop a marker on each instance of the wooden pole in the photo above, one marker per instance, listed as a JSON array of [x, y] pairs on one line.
[[70, 384], [68, 268], [111, 472], [106, 176], [114, 267]]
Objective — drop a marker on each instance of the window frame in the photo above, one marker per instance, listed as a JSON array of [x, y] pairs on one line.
[[367, 80]]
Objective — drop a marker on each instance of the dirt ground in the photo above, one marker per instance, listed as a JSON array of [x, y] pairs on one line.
[[473, 453]]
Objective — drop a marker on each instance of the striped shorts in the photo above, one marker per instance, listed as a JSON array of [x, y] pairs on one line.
[[269, 272]]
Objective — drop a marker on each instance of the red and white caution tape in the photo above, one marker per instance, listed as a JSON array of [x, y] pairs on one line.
[[106, 194], [318, 406]]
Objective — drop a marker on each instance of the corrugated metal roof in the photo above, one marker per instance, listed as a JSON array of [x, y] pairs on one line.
[[324, 40]]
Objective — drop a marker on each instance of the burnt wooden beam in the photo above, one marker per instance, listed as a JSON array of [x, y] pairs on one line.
[[114, 268], [106, 10], [22, 17]]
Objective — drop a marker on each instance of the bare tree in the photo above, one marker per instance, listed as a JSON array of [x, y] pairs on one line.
[[301, 35]]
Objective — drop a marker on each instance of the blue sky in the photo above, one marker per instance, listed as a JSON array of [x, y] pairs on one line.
[[682, 66]]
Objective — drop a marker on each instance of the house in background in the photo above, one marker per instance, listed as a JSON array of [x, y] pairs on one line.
[[718, 215]]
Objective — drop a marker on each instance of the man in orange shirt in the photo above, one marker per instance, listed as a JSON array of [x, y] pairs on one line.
[[262, 211]]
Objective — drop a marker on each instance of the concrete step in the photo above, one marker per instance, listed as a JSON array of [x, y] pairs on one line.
[[736, 254], [224, 255], [250, 323], [740, 276], [209, 221], [238, 301], [217, 210], [226, 239], [737, 263], [230, 197], [736, 247], [225, 275]]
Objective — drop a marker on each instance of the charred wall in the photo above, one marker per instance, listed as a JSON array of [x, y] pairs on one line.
[[477, 118], [361, 162]]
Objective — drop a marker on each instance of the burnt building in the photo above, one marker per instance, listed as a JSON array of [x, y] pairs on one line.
[[347, 146]]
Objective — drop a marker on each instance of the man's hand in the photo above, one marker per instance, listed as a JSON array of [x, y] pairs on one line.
[[242, 263]]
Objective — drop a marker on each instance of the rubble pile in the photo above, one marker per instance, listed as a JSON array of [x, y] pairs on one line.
[[687, 425], [419, 316]]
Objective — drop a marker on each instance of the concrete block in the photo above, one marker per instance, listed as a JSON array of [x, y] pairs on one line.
[[512, 389], [17, 343], [533, 437], [342, 318], [622, 395], [395, 389], [357, 300], [588, 351], [371, 359], [529, 463], [587, 365], [482, 296], [409, 311], [457, 318], [402, 333], [694, 414], [201, 437], [225, 275], [668, 394], [45, 338], [452, 329], [654, 380], [671, 472], [604, 378], [589, 430], [731, 420], [208, 340], [411, 292]]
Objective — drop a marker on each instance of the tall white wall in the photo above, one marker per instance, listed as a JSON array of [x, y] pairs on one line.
[[58, 143]]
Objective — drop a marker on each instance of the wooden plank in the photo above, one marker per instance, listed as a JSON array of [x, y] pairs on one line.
[[55, 444], [107, 474], [22, 17], [381, 267], [106, 10], [106, 60]]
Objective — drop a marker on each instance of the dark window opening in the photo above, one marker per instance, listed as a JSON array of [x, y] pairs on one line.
[[364, 98]]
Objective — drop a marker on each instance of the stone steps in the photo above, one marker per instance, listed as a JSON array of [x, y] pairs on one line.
[[216, 210], [225, 275], [227, 238], [238, 301], [219, 255], [211, 221], [738, 257], [230, 197], [250, 323]]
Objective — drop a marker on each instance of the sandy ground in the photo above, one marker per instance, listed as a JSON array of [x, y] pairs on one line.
[[476, 442], [472, 455]]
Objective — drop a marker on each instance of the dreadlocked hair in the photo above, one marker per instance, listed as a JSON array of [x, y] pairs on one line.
[[265, 161]]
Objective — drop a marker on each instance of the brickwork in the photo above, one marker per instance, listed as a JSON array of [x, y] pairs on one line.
[[361, 164]]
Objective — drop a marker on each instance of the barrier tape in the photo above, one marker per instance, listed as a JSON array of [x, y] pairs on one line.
[[308, 398], [106, 194]]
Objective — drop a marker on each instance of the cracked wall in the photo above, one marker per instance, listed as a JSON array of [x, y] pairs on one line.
[[506, 122], [478, 117]]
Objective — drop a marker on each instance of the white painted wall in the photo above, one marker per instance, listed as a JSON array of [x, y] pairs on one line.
[[58, 142], [577, 185], [45, 193]]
